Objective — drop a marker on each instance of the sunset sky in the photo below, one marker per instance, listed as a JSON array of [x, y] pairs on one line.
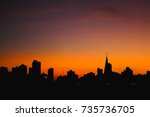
[[76, 34]]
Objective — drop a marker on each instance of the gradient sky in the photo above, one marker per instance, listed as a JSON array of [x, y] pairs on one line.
[[76, 34]]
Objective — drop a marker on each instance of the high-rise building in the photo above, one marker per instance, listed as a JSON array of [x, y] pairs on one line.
[[99, 72], [108, 68], [51, 74], [36, 69]]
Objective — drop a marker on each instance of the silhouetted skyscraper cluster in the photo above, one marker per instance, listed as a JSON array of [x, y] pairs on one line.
[[33, 82], [21, 72], [34, 73]]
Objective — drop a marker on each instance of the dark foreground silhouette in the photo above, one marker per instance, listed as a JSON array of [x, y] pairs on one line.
[[76, 89]]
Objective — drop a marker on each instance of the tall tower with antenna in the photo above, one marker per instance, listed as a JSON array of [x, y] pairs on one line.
[[108, 67]]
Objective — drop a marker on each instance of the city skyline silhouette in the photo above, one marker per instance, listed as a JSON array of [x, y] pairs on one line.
[[36, 69], [106, 84]]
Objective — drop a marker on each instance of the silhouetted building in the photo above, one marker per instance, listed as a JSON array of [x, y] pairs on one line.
[[148, 74], [51, 74], [3, 72], [19, 71], [127, 72], [71, 75], [108, 68], [90, 75], [23, 70], [35, 71], [15, 72], [30, 70], [99, 72]]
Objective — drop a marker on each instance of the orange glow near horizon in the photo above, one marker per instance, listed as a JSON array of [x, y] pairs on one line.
[[84, 64]]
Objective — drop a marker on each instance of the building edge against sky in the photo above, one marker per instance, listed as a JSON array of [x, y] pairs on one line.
[[36, 72]]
